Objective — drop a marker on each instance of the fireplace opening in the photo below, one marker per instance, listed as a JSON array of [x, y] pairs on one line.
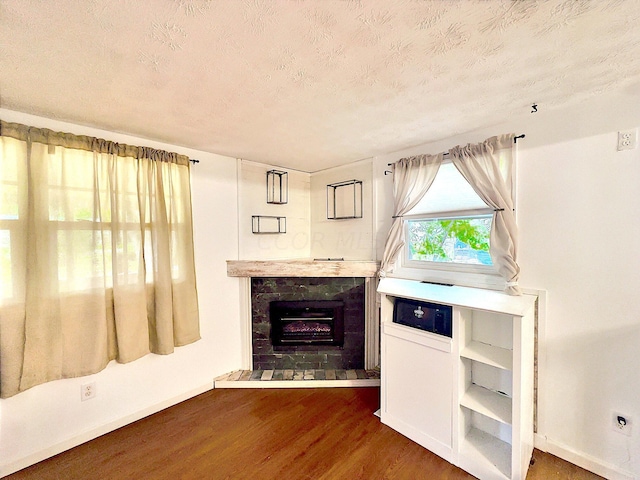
[[319, 322]]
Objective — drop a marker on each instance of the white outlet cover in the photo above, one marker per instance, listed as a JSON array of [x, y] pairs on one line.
[[627, 140], [87, 391]]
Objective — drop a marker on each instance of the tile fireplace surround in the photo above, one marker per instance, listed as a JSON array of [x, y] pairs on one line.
[[323, 271], [348, 291]]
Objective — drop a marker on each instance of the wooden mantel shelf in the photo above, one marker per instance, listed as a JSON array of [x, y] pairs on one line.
[[302, 268]]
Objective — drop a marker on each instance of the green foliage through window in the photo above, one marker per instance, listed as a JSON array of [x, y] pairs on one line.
[[452, 240]]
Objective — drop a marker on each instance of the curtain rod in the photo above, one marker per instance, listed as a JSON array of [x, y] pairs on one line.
[[515, 140], [194, 161]]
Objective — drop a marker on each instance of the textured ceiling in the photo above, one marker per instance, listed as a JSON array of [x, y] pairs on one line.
[[309, 84]]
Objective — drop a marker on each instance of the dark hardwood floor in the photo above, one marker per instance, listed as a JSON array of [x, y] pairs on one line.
[[328, 433]]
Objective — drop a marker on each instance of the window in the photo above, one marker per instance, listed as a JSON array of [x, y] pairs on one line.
[[463, 240], [96, 255], [10, 227], [445, 229], [450, 227]]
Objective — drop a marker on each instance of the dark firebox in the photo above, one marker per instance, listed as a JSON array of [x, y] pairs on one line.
[[307, 323]]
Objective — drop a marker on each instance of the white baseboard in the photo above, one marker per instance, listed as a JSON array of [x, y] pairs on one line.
[[98, 431], [583, 460]]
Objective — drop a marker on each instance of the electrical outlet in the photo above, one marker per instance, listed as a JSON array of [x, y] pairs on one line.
[[627, 140], [87, 391], [622, 423]]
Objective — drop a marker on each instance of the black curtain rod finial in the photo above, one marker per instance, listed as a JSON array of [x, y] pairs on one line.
[[194, 161]]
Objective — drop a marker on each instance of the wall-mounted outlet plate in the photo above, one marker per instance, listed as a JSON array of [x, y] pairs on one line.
[[627, 140], [87, 391], [621, 423]]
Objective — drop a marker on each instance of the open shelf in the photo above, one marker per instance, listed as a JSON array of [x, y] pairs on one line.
[[277, 187], [344, 200], [487, 453], [261, 224], [488, 403], [488, 354]]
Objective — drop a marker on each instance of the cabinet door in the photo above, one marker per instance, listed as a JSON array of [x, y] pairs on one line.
[[417, 386]]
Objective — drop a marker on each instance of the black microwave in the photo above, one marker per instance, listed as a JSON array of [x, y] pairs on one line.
[[430, 317]]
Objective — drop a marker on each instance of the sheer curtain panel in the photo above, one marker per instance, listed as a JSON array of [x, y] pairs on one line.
[[480, 165], [96, 255], [412, 177]]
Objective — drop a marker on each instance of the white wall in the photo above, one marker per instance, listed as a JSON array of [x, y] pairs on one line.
[[351, 239], [578, 211], [580, 218], [50, 418], [309, 233], [252, 200]]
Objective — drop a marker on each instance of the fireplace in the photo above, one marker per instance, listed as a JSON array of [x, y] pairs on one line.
[[352, 282], [307, 323], [330, 335]]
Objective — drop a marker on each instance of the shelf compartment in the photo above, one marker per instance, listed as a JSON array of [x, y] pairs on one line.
[[489, 355], [486, 452], [488, 403]]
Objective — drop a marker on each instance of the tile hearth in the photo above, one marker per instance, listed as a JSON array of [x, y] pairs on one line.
[[298, 378]]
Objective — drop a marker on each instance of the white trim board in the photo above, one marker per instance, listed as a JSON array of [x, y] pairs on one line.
[[583, 460]]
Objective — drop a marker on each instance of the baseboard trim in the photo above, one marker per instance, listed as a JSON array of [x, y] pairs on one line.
[[583, 460], [98, 431]]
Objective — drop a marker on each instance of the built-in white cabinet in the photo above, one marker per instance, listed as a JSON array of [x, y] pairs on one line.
[[468, 398], [416, 400]]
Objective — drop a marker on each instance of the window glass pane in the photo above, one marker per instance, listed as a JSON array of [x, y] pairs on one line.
[[71, 204], [71, 168], [134, 250], [462, 240], [6, 285], [149, 258], [80, 259], [11, 152], [9, 155], [129, 256], [8, 201]]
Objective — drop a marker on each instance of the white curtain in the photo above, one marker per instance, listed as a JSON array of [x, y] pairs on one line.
[[96, 255], [480, 165], [412, 177]]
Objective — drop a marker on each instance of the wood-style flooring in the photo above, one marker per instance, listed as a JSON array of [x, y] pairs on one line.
[[263, 434]]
